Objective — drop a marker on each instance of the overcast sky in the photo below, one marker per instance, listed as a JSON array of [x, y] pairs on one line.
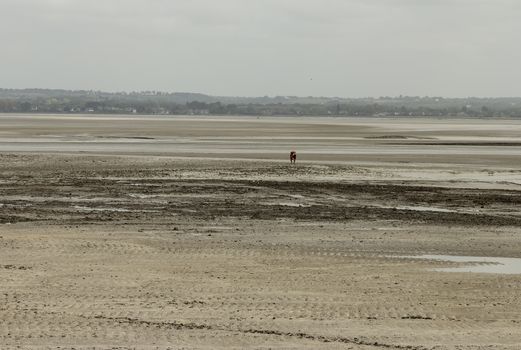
[[347, 48]]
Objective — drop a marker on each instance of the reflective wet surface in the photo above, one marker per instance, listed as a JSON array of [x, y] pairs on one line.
[[337, 139], [476, 264]]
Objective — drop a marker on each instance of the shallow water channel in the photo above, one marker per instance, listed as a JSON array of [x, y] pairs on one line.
[[510, 266]]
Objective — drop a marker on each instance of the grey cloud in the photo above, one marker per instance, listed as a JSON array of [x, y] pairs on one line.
[[257, 47]]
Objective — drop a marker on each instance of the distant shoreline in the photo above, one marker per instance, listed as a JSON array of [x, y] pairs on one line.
[[44, 101]]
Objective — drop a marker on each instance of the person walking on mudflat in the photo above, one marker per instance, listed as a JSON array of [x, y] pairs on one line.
[[292, 157]]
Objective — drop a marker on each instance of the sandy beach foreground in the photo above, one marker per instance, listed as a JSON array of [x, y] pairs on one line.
[[196, 233]]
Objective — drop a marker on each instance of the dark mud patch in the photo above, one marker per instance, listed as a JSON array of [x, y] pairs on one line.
[[387, 137], [473, 144], [409, 195], [76, 199], [15, 267], [321, 213], [126, 137], [13, 219]]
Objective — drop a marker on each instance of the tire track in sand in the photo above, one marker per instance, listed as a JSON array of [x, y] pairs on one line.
[[299, 335]]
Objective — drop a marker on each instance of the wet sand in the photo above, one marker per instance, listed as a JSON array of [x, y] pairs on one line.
[[316, 139], [188, 233]]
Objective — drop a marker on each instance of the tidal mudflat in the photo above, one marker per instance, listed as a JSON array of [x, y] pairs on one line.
[[196, 233]]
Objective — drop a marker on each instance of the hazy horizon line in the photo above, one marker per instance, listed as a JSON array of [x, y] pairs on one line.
[[259, 96]]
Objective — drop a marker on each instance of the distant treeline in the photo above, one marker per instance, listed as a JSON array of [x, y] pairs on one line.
[[152, 102]]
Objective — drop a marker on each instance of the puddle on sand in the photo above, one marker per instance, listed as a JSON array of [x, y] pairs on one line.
[[114, 210], [420, 208], [506, 266], [121, 210]]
